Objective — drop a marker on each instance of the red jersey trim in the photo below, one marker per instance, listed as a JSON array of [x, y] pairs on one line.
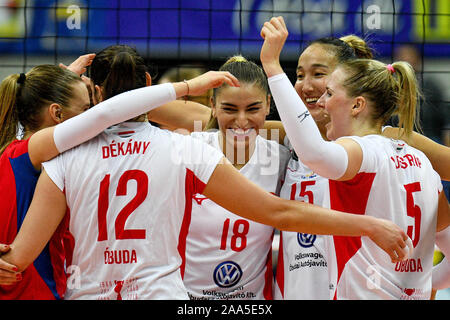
[[193, 185], [280, 267], [349, 196]]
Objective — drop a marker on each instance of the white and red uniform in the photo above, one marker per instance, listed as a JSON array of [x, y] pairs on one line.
[[229, 257], [302, 267], [396, 182], [129, 192], [302, 272]]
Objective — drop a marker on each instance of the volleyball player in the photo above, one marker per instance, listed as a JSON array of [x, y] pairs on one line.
[[132, 250], [11, 87], [369, 174], [40, 99], [302, 267], [232, 258], [302, 261]]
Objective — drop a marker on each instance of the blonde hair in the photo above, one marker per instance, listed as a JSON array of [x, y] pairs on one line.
[[9, 121], [360, 46], [22, 101], [390, 92], [346, 48]]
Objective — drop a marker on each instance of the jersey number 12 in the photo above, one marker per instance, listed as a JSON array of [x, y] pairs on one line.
[[103, 204]]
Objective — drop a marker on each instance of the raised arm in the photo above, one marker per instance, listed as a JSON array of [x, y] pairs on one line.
[[229, 189], [339, 160], [49, 142], [79, 66]]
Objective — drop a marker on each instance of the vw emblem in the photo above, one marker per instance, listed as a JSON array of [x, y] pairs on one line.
[[306, 240], [227, 274]]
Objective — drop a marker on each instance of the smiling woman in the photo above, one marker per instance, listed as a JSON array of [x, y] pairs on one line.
[[240, 114], [317, 62], [363, 177], [236, 252]]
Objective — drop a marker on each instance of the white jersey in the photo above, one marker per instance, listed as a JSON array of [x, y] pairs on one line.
[[129, 192], [396, 182], [302, 267], [229, 257]]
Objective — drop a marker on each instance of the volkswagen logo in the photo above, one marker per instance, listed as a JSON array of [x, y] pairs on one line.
[[227, 274], [306, 240]]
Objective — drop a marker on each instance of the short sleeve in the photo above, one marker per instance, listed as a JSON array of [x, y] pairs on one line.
[[197, 156], [55, 170], [370, 158]]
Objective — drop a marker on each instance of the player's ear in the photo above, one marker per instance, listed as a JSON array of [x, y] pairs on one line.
[[359, 106], [98, 93], [148, 79], [269, 97], [55, 112], [212, 104]]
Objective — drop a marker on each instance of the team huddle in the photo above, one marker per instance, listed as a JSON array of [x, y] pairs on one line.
[[100, 203]]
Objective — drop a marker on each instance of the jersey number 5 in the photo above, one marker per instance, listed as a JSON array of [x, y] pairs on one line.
[[413, 211], [103, 204]]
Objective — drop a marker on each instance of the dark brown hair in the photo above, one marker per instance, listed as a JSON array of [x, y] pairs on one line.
[[118, 69]]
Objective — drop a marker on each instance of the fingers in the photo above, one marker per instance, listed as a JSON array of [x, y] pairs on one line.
[[283, 24], [8, 273], [402, 249], [399, 254], [209, 80], [4, 248], [7, 267], [231, 80], [278, 23], [8, 278], [275, 25], [85, 60], [80, 64]]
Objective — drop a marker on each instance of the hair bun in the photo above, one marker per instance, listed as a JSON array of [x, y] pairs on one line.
[[236, 58], [22, 78], [359, 45]]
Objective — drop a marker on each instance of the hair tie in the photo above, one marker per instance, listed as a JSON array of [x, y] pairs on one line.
[[22, 78], [390, 68]]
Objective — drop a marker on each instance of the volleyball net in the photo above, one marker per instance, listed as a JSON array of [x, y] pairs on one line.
[[205, 32]]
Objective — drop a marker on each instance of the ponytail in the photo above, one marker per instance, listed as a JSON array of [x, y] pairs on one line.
[[9, 120], [120, 77], [408, 108], [118, 69], [392, 89]]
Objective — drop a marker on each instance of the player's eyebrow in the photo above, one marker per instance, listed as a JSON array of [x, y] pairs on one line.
[[315, 65]]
